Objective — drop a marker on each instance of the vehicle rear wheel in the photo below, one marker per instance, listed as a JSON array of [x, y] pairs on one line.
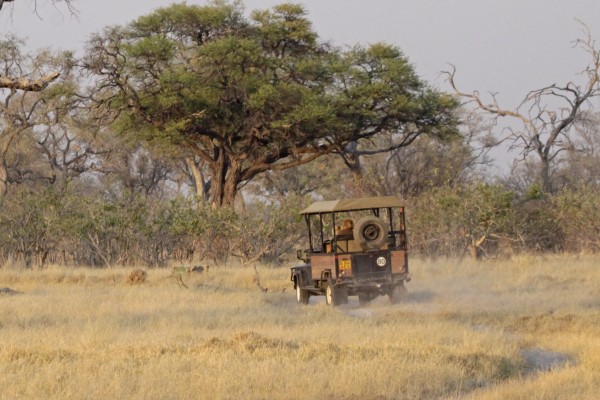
[[334, 295], [342, 295], [302, 295], [364, 299], [329, 292], [398, 294]]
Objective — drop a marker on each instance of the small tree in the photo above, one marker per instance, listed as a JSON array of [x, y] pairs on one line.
[[469, 219]]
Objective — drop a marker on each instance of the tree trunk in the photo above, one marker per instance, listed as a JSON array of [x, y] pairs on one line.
[[226, 177], [219, 171], [200, 186], [545, 176], [475, 248], [352, 161], [232, 182], [6, 143], [3, 179]]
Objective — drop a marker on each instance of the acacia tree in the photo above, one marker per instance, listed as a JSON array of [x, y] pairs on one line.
[[248, 96], [549, 116]]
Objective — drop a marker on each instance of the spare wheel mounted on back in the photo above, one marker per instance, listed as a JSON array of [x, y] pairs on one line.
[[370, 232]]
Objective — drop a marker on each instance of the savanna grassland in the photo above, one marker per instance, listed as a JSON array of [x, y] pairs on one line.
[[469, 331]]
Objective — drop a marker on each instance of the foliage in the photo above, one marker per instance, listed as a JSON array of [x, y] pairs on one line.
[[483, 220], [576, 215], [35, 118], [269, 232], [31, 225], [249, 96], [452, 221], [261, 111], [71, 229]]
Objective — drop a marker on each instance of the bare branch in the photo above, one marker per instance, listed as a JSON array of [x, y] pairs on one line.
[[29, 85], [68, 3], [493, 108], [546, 127]]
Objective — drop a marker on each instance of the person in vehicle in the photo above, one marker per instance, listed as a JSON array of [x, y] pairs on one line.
[[345, 231]]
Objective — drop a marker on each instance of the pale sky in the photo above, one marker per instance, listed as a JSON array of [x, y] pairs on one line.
[[504, 46]]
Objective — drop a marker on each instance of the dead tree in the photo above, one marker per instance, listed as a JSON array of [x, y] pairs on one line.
[[548, 115]]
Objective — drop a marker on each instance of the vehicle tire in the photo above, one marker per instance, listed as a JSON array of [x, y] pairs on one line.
[[370, 232], [329, 294], [342, 295], [398, 294], [332, 294], [364, 299], [302, 295]]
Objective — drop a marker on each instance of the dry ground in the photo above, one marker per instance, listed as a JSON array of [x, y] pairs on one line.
[[470, 331]]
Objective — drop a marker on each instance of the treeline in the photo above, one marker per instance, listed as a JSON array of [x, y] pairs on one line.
[[483, 220], [44, 227], [197, 134]]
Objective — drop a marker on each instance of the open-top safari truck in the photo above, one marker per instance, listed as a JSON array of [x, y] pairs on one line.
[[357, 247]]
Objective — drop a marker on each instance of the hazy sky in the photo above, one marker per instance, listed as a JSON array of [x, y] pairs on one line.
[[504, 46], [497, 45]]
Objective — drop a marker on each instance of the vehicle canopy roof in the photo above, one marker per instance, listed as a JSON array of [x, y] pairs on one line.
[[364, 203]]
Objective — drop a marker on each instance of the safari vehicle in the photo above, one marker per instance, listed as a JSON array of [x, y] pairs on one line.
[[357, 247]]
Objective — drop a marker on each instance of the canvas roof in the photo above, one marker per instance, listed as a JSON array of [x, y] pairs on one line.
[[363, 203]]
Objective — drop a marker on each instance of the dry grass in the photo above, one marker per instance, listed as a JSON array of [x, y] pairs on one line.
[[86, 333]]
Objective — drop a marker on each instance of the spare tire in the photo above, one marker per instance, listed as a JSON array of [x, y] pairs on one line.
[[370, 232]]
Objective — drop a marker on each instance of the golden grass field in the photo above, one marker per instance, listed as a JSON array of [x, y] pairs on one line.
[[87, 334]]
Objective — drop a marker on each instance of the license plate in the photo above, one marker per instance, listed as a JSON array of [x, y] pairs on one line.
[[345, 264]]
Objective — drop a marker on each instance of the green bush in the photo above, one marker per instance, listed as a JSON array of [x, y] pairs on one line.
[[46, 226], [454, 221]]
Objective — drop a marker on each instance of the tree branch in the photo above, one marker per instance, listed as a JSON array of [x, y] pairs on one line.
[[3, 1], [35, 6], [546, 126], [29, 85]]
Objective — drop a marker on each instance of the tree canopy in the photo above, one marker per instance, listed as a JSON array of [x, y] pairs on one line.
[[247, 95]]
